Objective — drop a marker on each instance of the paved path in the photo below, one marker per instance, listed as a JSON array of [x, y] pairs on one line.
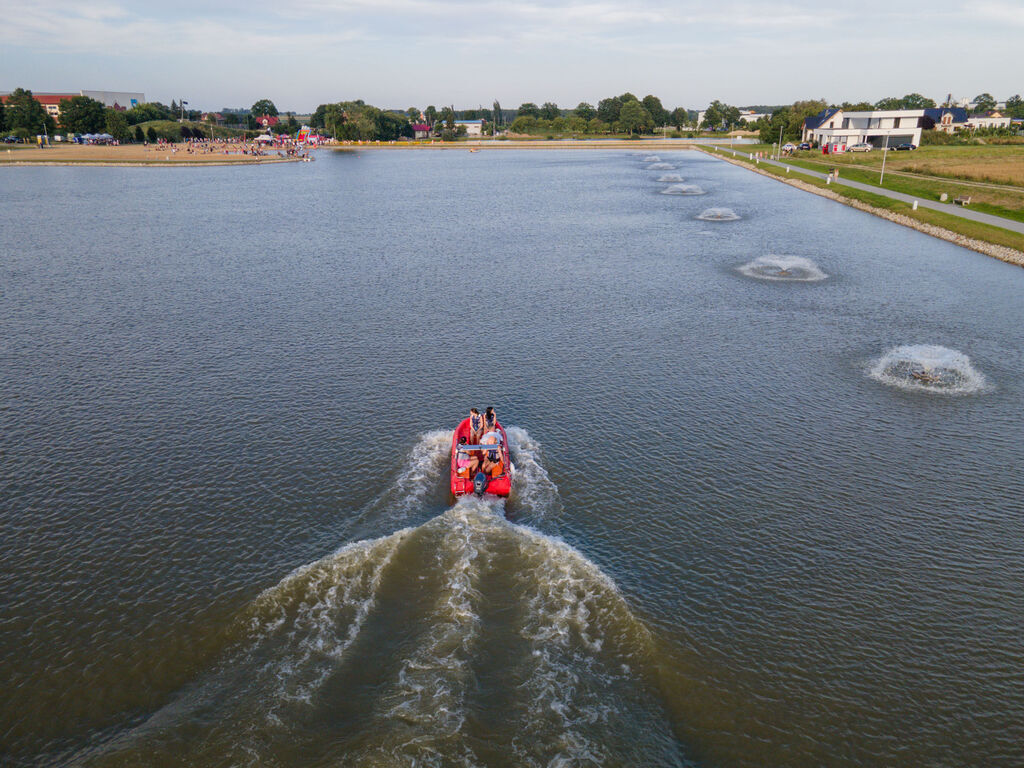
[[947, 208]]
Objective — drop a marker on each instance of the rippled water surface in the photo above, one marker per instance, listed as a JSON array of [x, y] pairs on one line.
[[745, 530]]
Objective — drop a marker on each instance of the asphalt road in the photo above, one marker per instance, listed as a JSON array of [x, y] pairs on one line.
[[947, 208]]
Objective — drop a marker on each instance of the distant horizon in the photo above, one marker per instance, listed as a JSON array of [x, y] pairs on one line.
[[509, 107], [401, 53]]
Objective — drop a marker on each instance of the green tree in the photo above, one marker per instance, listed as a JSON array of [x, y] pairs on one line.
[[139, 135], [679, 118], [431, 114], [860, 106], [117, 125], [448, 115], [585, 111], [575, 123], [634, 118], [596, 125], [984, 102], [3, 118], [335, 118], [27, 114], [264, 107], [627, 96], [889, 103], [499, 119], [1015, 106], [291, 124], [917, 101], [524, 124], [528, 109], [80, 114], [413, 114], [151, 134], [657, 112], [608, 109], [549, 110]]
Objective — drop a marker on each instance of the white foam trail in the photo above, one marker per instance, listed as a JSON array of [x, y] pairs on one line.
[[661, 167], [674, 178], [928, 368], [652, 159], [718, 214], [792, 268], [533, 492], [432, 684], [683, 189], [572, 610], [316, 613]]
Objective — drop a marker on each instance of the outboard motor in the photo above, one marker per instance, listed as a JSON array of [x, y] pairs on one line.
[[480, 483]]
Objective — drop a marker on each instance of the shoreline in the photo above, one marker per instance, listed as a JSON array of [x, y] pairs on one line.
[[1001, 252], [142, 163]]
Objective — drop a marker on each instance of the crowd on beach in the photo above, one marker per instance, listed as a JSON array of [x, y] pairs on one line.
[[282, 146]]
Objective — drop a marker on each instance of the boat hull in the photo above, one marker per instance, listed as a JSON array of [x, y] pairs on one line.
[[496, 486]]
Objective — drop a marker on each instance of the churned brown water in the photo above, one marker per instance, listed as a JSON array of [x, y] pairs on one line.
[[768, 509]]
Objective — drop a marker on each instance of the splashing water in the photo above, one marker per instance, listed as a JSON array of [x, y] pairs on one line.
[[683, 189], [661, 167], [671, 178], [928, 368], [718, 214], [792, 268], [652, 159], [466, 640], [534, 495]]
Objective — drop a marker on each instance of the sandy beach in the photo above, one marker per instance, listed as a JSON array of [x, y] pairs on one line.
[[126, 154]]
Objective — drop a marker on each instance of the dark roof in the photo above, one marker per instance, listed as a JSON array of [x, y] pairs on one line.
[[815, 121], [959, 114]]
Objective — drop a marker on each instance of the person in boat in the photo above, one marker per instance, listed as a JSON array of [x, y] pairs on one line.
[[466, 462], [476, 426], [492, 463], [491, 421]]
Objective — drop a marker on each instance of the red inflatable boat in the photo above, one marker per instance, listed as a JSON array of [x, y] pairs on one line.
[[469, 461]]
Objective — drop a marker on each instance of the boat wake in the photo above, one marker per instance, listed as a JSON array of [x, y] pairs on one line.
[[465, 640]]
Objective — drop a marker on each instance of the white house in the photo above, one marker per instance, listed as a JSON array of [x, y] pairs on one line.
[[988, 120], [473, 127], [878, 127]]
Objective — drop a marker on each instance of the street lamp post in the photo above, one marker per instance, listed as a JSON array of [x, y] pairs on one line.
[[885, 152]]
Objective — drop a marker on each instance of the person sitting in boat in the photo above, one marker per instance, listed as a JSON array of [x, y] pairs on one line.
[[466, 462], [492, 464], [476, 426]]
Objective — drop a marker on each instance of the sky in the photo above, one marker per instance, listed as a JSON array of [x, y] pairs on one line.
[[402, 53]]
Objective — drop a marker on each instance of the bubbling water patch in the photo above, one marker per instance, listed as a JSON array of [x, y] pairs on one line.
[[683, 189], [661, 167], [652, 159], [792, 268], [718, 214], [671, 178], [928, 368]]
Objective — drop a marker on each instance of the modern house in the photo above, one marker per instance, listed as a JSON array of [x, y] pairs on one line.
[[879, 127]]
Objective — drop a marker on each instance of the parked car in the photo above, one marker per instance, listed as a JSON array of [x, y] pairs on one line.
[[902, 147], [11, 140], [861, 147], [788, 147], [804, 145]]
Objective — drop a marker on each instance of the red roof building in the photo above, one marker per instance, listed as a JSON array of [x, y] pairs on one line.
[[50, 101], [267, 121]]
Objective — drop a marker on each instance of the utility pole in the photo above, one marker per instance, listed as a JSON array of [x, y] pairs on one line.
[[885, 151], [779, 156]]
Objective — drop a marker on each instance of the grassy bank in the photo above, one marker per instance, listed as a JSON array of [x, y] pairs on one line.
[[971, 229]]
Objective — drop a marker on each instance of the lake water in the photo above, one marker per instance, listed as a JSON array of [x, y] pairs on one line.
[[747, 528]]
